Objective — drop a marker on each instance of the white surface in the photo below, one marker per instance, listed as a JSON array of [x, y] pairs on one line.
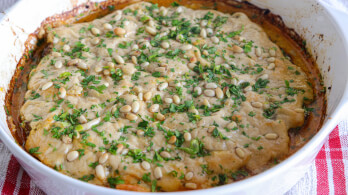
[[297, 15]]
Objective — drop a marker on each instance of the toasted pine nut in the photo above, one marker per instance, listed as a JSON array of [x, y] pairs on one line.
[[47, 85], [103, 158], [145, 165], [158, 173], [187, 136], [73, 155], [100, 172], [191, 186], [172, 139], [271, 136], [148, 96], [107, 26], [95, 31], [62, 93], [131, 116], [135, 107], [154, 108], [219, 93], [126, 108], [240, 152], [176, 99], [119, 31], [189, 175], [165, 154], [209, 93]]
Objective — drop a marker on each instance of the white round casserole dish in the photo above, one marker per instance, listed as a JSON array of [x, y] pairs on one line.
[[321, 27]]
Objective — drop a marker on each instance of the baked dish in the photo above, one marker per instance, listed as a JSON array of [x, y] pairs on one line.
[[153, 98]]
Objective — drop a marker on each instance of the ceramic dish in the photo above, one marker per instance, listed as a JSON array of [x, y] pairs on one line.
[[321, 27]]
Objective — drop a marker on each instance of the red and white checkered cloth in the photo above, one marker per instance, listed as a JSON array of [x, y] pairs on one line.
[[327, 175]]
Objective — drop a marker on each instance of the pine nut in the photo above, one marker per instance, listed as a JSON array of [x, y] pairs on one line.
[[211, 129], [203, 33], [106, 72], [198, 90], [150, 30], [95, 31], [191, 186], [232, 125], [158, 173], [179, 9], [160, 69], [186, 47], [131, 117], [135, 107], [119, 31], [165, 45], [160, 116], [73, 62], [256, 104], [119, 59], [140, 133], [165, 154], [299, 110], [107, 26], [135, 47], [189, 175], [219, 93], [234, 81], [66, 48], [237, 49], [204, 23], [163, 11], [240, 152], [73, 155], [119, 148], [154, 108], [271, 59], [95, 40], [187, 136], [62, 93], [163, 86], [193, 110], [126, 108], [134, 60], [209, 93], [271, 66], [215, 40], [103, 158], [168, 100], [271, 136], [82, 119], [209, 32], [191, 65], [205, 52], [211, 86], [140, 96], [258, 52], [82, 66], [172, 139], [66, 139], [47, 85], [100, 172], [58, 64], [145, 165], [272, 52], [176, 99], [206, 103], [98, 69], [148, 96], [264, 76]]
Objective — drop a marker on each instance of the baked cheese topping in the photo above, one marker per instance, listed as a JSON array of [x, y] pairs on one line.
[[151, 98]]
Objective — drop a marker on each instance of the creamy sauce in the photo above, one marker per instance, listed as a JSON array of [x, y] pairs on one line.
[[186, 112]]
